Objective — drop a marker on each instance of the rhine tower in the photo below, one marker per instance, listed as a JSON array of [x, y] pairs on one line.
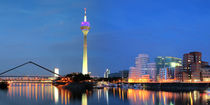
[[85, 27]]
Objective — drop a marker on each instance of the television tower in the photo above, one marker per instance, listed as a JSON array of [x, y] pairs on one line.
[[85, 27]]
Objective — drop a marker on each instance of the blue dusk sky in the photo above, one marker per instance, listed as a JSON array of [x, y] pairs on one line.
[[48, 32]]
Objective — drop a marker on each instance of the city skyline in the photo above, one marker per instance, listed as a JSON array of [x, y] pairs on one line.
[[48, 32], [104, 52]]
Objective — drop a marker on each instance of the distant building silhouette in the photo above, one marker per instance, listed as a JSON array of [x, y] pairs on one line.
[[120, 74]]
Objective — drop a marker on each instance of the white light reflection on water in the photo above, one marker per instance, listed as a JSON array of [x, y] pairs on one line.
[[99, 94], [36, 91], [106, 93], [56, 95]]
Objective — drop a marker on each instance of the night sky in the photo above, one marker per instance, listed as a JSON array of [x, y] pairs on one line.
[[48, 32]]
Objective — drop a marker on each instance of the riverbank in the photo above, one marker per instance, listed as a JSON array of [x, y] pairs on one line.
[[82, 86], [79, 86], [175, 86]]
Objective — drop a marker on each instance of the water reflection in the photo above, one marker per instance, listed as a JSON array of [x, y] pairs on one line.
[[56, 96], [146, 97], [42, 92], [84, 99]]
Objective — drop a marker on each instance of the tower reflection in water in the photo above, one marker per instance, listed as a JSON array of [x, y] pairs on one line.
[[43, 91], [84, 99]]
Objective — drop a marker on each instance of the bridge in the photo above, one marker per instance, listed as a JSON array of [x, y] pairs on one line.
[[28, 78]]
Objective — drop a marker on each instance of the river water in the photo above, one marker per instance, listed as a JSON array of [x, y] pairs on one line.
[[47, 94]]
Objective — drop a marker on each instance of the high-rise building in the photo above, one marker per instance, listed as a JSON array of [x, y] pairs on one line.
[[151, 70], [166, 62], [193, 69], [189, 59], [141, 63], [143, 70], [85, 27], [106, 74]]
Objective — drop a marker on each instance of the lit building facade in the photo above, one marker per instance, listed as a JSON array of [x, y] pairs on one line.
[[141, 63], [151, 70], [167, 74], [166, 62], [191, 64], [205, 73], [143, 70], [134, 75], [178, 74], [193, 69]]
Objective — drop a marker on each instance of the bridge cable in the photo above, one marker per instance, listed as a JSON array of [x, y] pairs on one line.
[[31, 63]]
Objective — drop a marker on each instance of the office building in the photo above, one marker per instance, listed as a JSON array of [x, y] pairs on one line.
[[151, 70], [143, 70], [166, 62], [193, 69]]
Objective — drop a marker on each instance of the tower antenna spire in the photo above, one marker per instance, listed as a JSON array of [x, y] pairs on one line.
[[85, 17]]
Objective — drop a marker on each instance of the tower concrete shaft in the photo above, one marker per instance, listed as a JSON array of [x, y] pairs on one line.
[[85, 26], [85, 57]]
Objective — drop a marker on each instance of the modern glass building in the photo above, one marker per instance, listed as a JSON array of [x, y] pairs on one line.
[[166, 62]]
